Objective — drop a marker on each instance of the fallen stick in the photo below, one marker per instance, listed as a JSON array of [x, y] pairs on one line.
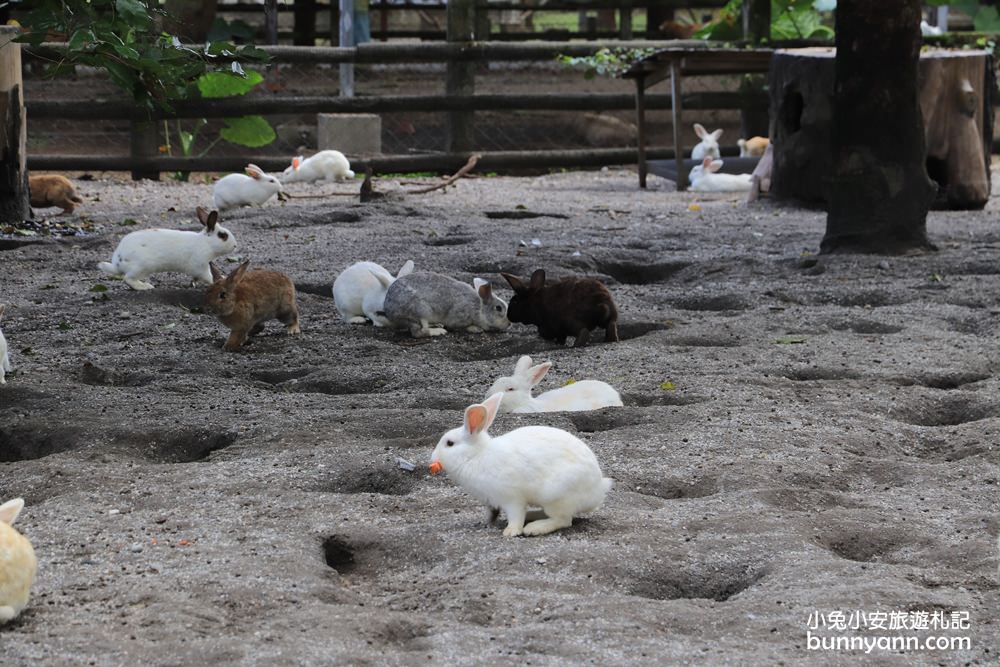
[[469, 166]]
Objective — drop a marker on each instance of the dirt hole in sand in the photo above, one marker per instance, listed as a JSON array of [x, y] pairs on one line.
[[176, 446], [319, 289], [630, 330], [26, 443], [874, 298], [948, 411], [712, 302], [662, 398], [605, 420], [948, 450], [321, 383], [521, 214], [864, 545], [481, 269], [384, 480], [483, 347], [281, 375], [813, 373], [673, 488], [946, 380], [639, 273], [865, 327], [448, 240], [444, 402], [704, 341], [338, 554], [95, 375], [719, 584]]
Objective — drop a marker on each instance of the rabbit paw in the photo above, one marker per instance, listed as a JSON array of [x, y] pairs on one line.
[[545, 526], [512, 531], [138, 284], [358, 319], [436, 331], [474, 329]]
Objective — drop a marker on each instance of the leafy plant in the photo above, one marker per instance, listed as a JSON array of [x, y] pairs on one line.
[[790, 19], [606, 62], [985, 15]]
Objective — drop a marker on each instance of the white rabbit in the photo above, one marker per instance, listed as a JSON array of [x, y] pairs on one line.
[[709, 144], [254, 188], [150, 251], [537, 466], [424, 298], [576, 397], [359, 292], [5, 366], [704, 178], [17, 563], [323, 166]]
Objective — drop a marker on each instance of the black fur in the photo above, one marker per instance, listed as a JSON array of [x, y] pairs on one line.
[[568, 307]]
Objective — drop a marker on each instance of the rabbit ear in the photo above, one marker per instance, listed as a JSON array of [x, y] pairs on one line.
[[715, 166], [716, 134], [537, 279], [483, 287], [253, 171], [539, 371], [514, 282], [523, 364], [236, 276], [478, 417], [202, 213], [213, 218], [296, 161], [406, 269], [383, 279], [10, 509], [216, 274], [699, 129], [707, 163]]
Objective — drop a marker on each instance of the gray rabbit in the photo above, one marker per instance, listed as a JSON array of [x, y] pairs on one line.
[[430, 304]]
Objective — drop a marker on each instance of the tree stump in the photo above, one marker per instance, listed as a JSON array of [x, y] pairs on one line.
[[13, 132], [954, 96]]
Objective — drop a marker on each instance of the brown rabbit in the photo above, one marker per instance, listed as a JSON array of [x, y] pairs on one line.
[[245, 301], [568, 307], [53, 190]]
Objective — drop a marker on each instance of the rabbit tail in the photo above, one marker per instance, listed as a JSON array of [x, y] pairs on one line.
[[109, 268]]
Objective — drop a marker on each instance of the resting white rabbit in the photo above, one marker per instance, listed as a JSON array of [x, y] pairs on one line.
[[537, 466], [703, 178], [709, 144], [5, 366], [326, 166], [148, 251], [575, 397], [359, 292], [17, 563], [424, 298], [251, 189]]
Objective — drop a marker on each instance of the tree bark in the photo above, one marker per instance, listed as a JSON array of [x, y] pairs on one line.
[[13, 155], [879, 190]]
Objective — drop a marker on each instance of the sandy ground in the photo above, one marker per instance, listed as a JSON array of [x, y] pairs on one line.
[[800, 435]]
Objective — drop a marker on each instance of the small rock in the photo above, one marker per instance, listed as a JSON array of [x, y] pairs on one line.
[[883, 265], [135, 548], [541, 561], [114, 512]]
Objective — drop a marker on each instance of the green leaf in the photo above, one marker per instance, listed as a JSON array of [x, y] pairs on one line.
[[667, 385], [128, 222], [249, 131], [227, 84], [133, 11], [99, 288], [65, 326], [987, 19]]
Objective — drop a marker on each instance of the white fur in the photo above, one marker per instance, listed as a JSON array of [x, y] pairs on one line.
[[18, 563], [533, 466], [576, 397], [709, 144], [703, 178], [250, 189], [148, 251], [5, 366], [359, 291], [326, 166]]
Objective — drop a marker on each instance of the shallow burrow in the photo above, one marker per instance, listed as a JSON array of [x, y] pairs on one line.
[[950, 410], [705, 340], [947, 450], [324, 382], [447, 403], [317, 289], [189, 299], [338, 554], [945, 381], [672, 488], [388, 480], [278, 376], [867, 327], [638, 272], [448, 240], [661, 398], [484, 347], [719, 583], [34, 441], [873, 298], [606, 419], [522, 214], [94, 375], [487, 267], [799, 499], [865, 544], [174, 446], [712, 302], [630, 330], [816, 373]]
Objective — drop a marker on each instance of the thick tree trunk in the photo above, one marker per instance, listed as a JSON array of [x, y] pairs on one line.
[[13, 173], [879, 190]]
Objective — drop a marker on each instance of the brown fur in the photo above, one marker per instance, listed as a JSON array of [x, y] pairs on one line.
[[568, 307], [245, 301], [53, 190]]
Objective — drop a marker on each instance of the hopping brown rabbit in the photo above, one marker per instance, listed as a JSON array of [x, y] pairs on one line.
[[53, 190], [245, 301]]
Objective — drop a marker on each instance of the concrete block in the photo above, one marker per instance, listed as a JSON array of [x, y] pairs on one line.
[[351, 134]]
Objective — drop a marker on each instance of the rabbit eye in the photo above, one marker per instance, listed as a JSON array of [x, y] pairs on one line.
[[449, 443], [223, 236], [222, 295], [499, 308]]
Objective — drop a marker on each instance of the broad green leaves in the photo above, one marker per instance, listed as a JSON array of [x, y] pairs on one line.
[[250, 131], [227, 84], [790, 19]]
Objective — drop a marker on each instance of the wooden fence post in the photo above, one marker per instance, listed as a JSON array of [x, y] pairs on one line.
[[757, 20], [346, 39], [13, 134], [144, 144], [625, 20], [461, 78]]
